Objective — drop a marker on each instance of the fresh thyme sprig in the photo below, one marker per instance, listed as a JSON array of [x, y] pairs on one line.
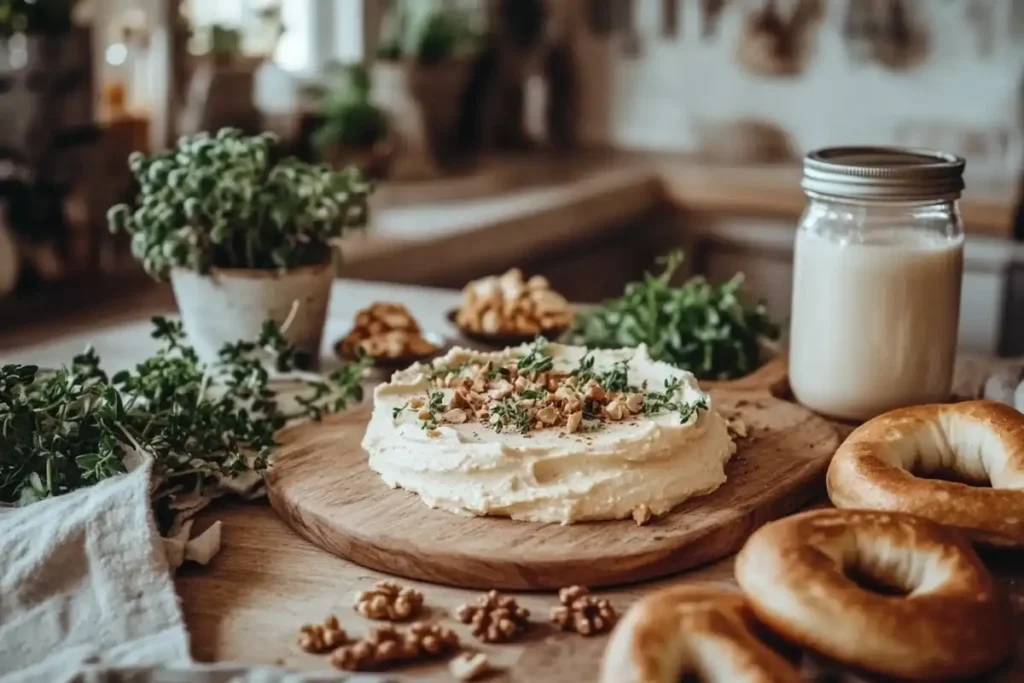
[[537, 359], [198, 423], [668, 400], [507, 414], [616, 379]]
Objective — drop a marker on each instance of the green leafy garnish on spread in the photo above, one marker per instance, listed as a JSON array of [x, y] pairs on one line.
[[537, 359], [697, 326], [198, 423]]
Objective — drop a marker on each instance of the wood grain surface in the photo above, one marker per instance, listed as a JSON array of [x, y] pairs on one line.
[[322, 487]]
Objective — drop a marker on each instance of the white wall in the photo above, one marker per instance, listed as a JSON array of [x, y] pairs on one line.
[[661, 100]]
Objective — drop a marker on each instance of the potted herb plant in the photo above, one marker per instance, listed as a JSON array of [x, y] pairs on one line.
[[242, 237], [355, 131], [424, 55]]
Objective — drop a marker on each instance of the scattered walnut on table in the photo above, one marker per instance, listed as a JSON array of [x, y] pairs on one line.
[[469, 666], [389, 600], [495, 618], [320, 638], [642, 515], [390, 644], [582, 612]]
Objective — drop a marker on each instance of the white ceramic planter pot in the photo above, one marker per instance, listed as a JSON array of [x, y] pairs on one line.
[[229, 305]]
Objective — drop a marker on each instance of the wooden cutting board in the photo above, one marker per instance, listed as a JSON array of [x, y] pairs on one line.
[[321, 486]]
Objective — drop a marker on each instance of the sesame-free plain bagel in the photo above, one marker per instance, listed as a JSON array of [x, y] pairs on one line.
[[936, 614], [979, 445], [701, 631]]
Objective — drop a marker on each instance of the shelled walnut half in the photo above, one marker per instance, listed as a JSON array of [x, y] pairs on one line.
[[387, 645], [389, 600], [582, 612], [321, 638], [495, 618]]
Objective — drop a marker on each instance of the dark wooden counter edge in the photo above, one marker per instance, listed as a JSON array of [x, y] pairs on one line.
[[693, 187]]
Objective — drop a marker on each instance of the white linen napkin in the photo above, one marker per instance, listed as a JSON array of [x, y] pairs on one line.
[[86, 596]]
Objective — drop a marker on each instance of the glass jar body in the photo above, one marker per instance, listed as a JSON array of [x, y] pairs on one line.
[[876, 304]]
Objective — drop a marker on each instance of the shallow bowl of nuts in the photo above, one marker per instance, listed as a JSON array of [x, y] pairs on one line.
[[508, 310], [388, 335]]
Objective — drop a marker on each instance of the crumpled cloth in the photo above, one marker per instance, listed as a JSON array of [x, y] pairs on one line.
[[86, 596]]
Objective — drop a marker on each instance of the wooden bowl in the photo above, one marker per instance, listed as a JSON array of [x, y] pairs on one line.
[[390, 364], [503, 340]]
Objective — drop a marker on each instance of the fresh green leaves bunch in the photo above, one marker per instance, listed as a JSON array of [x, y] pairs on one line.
[[222, 201], [698, 326], [430, 36], [350, 118], [72, 428]]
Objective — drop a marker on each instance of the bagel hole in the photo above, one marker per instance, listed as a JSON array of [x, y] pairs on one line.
[[873, 584]]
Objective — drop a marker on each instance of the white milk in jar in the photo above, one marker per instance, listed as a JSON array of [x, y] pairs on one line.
[[877, 277]]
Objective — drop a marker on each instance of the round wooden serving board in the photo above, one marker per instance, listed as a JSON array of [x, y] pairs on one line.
[[320, 484]]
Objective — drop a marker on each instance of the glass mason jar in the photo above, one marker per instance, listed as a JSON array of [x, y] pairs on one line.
[[876, 283]]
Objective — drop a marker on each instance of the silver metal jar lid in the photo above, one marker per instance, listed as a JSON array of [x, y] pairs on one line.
[[892, 174]]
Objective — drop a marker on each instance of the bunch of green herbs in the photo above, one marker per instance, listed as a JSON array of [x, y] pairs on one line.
[[351, 119], [697, 326], [198, 424], [224, 201]]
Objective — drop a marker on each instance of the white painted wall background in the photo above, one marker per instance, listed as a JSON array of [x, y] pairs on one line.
[[660, 100]]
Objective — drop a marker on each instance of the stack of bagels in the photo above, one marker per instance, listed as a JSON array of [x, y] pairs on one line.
[[886, 582]]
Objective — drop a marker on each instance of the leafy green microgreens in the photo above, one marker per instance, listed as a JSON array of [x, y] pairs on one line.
[[507, 414], [435, 407], [701, 327], [668, 401], [225, 200], [532, 394], [395, 412], [537, 359], [71, 428]]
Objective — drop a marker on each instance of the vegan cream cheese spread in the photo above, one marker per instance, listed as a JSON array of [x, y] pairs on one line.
[[547, 433]]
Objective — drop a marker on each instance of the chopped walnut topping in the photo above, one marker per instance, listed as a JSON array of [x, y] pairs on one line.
[[455, 416], [614, 411], [582, 612], [642, 515], [320, 638], [389, 644], [495, 618], [469, 666], [527, 393], [388, 600]]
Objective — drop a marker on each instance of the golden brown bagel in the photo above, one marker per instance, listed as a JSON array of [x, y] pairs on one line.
[[949, 620], [698, 630], [882, 465]]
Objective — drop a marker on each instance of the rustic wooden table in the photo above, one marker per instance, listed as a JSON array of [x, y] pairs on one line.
[[247, 605]]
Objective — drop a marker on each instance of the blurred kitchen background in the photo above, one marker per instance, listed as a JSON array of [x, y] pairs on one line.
[[572, 138]]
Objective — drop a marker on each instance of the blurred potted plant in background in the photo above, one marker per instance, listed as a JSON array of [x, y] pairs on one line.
[[355, 131], [242, 237], [425, 49]]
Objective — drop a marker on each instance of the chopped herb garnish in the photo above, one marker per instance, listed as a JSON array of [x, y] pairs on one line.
[[507, 414], [537, 360], [532, 394]]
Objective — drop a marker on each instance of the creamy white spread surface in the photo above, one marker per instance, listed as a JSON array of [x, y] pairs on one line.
[[471, 461]]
